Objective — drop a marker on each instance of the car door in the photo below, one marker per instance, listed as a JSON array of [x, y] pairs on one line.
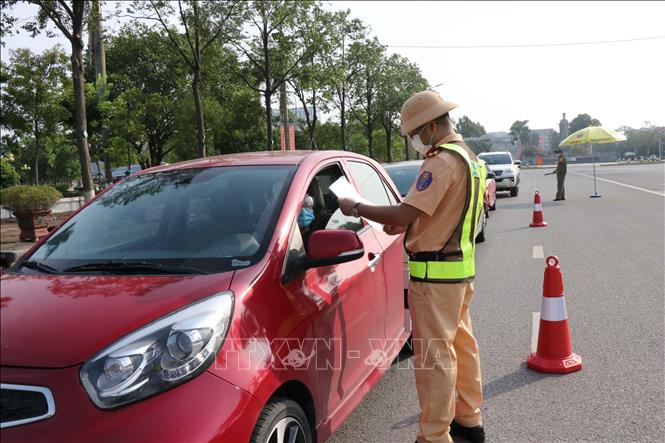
[[372, 186], [350, 299]]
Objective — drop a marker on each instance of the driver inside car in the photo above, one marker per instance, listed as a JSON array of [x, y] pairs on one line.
[[306, 214]]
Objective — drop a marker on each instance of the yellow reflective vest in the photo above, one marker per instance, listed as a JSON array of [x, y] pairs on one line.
[[456, 264]]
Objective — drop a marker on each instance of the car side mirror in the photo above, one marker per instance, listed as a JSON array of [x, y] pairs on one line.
[[332, 247], [518, 163], [7, 259]]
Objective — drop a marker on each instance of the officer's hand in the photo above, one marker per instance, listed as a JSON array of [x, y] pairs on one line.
[[393, 230], [346, 205]]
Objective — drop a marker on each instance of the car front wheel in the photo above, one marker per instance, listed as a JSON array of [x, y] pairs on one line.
[[282, 421], [514, 191]]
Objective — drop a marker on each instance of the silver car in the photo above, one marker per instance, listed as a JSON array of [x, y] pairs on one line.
[[506, 171]]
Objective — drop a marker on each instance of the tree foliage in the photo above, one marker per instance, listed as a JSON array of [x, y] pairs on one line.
[[582, 121], [469, 128]]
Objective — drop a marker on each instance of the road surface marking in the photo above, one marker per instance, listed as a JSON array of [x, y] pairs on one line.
[[538, 252], [660, 194], [535, 327]]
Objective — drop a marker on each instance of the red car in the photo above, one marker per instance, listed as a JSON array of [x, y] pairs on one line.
[[202, 302]]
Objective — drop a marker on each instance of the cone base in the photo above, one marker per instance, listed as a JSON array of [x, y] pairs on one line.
[[538, 225], [565, 365]]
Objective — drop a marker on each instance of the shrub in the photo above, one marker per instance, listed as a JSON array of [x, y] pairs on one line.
[[8, 175], [23, 198]]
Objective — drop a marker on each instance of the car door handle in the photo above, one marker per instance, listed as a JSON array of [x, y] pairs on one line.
[[374, 259]]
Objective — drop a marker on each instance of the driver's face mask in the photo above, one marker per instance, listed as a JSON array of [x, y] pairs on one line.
[[306, 214]]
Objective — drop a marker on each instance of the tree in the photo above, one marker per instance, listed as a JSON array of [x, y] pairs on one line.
[[365, 87], [309, 79], [342, 66], [145, 94], [69, 18], [520, 131], [8, 175], [469, 128], [31, 99], [204, 22], [271, 49], [582, 121], [399, 80]]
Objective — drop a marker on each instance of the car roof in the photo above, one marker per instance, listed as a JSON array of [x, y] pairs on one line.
[[493, 152], [260, 158], [404, 163]]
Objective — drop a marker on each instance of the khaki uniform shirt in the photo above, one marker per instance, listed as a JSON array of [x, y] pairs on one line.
[[440, 193]]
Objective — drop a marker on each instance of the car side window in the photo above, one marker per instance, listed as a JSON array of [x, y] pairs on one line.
[[370, 184], [326, 211]]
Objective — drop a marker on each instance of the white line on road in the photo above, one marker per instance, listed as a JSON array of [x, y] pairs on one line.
[[660, 194], [535, 327], [538, 252]]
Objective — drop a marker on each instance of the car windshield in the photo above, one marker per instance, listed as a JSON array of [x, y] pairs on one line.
[[210, 220], [403, 176], [496, 159]]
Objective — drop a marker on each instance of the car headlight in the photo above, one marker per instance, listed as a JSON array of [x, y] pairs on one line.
[[160, 355]]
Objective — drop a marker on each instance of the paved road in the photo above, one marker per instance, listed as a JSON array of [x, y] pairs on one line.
[[612, 255]]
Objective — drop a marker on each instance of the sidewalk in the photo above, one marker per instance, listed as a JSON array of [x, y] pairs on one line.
[[9, 233]]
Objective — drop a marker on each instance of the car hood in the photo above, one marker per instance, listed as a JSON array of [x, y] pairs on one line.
[[55, 321]]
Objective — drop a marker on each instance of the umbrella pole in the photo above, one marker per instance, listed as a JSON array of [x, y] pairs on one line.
[[593, 161]]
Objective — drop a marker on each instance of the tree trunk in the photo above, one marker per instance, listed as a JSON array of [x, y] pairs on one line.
[[268, 98], [370, 123], [389, 146], [370, 140], [342, 119], [200, 124], [36, 153], [80, 120], [97, 47]]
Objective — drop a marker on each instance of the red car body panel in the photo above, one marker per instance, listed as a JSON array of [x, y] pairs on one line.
[[351, 315], [190, 412], [55, 321], [490, 193]]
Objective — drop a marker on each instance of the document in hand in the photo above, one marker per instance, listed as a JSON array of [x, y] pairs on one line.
[[343, 189]]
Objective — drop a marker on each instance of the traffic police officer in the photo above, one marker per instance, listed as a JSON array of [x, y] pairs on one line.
[[439, 215], [560, 171]]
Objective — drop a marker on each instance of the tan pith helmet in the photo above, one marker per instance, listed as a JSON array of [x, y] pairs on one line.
[[422, 108]]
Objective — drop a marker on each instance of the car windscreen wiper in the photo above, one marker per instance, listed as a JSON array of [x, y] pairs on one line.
[[121, 265], [46, 269]]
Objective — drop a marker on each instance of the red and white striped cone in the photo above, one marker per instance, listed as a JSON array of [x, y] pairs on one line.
[[554, 353], [538, 221]]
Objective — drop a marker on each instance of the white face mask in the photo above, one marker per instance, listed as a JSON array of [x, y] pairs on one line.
[[418, 145]]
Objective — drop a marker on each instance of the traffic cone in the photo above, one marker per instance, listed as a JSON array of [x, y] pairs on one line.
[[538, 221], [554, 353]]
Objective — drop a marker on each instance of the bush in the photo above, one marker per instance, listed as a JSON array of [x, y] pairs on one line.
[[25, 198], [8, 175]]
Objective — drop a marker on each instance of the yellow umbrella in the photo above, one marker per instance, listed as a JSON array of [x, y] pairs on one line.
[[591, 135]]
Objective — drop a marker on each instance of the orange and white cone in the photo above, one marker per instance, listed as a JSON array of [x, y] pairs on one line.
[[538, 221], [554, 353]]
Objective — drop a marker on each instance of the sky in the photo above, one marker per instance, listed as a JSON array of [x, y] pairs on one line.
[[616, 83]]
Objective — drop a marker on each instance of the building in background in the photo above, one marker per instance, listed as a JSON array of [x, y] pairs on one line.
[[542, 139]]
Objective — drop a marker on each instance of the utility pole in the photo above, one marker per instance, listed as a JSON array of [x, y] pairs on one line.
[[96, 45], [285, 116]]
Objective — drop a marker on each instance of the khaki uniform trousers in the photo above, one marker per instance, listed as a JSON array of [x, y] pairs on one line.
[[445, 357]]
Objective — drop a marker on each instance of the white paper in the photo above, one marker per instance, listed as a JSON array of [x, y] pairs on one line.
[[343, 189]]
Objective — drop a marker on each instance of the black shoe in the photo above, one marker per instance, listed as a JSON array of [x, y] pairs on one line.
[[475, 434]]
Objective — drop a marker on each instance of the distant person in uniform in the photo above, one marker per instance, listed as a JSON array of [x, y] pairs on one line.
[[560, 171]]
